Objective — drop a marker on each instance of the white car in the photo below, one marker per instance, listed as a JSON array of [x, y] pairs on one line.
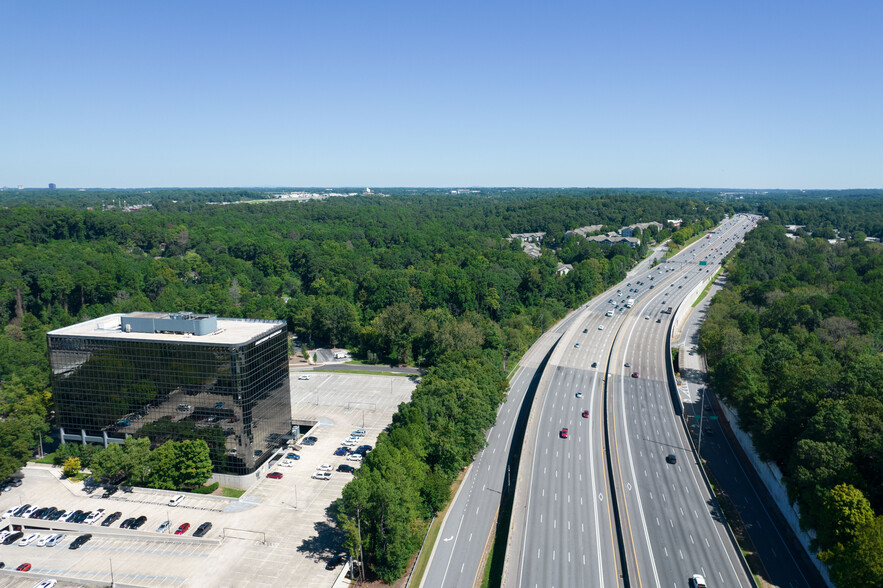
[[646, 318], [12, 510], [697, 581], [600, 327], [47, 583], [45, 540], [579, 394], [286, 463], [93, 518], [354, 457], [56, 539], [324, 467], [27, 514], [29, 539], [176, 499], [303, 377], [350, 442], [322, 476], [358, 433], [4, 535]]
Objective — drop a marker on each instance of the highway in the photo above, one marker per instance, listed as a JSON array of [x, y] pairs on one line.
[[460, 551], [668, 521], [672, 527]]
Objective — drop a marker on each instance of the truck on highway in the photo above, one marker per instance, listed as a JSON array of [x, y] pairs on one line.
[[630, 303]]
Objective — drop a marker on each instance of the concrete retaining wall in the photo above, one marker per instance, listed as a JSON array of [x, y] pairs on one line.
[[771, 476]]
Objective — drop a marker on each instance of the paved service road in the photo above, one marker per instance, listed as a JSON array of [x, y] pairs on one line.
[[785, 562]]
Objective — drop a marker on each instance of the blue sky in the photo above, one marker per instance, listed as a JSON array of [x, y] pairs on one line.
[[739, 94]]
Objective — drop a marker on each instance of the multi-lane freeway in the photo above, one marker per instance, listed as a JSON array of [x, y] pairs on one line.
[[459, 553], [661, 525]]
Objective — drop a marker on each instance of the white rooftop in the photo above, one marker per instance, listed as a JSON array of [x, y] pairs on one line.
[[230, 331]]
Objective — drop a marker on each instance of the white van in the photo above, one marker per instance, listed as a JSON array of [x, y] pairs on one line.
[[176, 500]]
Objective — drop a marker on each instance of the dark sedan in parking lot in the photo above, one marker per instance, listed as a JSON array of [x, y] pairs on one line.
[[202, 529], [80, 541], [136, 524], [127, 523], [111, 519]]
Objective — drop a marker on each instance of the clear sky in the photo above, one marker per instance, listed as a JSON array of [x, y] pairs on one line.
[[662, 93]]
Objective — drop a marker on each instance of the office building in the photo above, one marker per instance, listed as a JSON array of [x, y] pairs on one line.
[[51, 186], [175, 376]]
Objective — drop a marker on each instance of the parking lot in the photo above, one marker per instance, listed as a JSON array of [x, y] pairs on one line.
[[277, 532]]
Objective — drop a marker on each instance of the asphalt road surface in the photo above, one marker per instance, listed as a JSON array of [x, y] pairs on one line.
[[461, 549], [670, 525]]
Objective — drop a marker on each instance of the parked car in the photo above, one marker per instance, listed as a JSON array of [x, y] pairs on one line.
[[309, 441], [29, 539], [45, 540], [202, 529], [127, 523], [176, 499], [286, 463], [136, 524], [13, 537], [275, 475], [363, 449], [109, 492], [182, 529], [359, 433], [25, 567], [162, 528], [303, 377], [11, 511], [93, 518], [56, 539], [57, 514], [219, 404], [293, 456], [80, 541], [340, 451], [321, 476], [354, 457], [110, 519], [348, 469], [324, 467]]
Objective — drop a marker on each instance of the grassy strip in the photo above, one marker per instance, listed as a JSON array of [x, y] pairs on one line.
[[486, 576], [708, 287], [231, 492], [48, 458], [674, 248], [432, 537]]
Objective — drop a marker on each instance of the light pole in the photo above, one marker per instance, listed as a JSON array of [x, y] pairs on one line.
[[111, 571]]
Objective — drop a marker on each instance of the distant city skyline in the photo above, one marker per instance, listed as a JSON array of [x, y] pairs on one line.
[[733, 95]]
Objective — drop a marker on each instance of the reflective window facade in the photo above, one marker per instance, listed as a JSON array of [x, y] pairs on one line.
[[235, 396]]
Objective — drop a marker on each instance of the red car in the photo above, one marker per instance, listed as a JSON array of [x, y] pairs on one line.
[[274, 475], [585, 414], [25, 567], [634, 374], [564, 433], [182, 529]]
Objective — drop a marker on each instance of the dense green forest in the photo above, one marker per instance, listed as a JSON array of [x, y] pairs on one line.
[[418, 278], [794, 343]]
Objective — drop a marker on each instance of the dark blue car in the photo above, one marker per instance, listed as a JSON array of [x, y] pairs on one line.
[[219, 404], [340, 451]]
